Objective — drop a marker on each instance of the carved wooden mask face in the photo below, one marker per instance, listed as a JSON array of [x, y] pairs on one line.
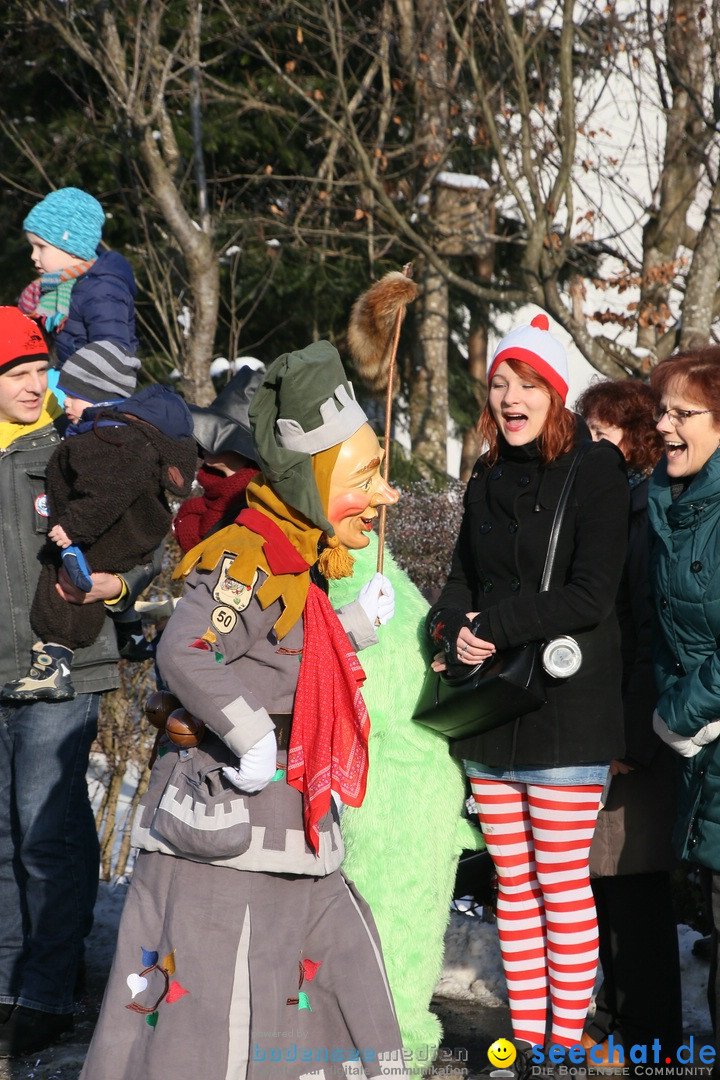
[[357, 488]]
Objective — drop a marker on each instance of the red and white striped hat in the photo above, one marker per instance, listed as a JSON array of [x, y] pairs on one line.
[[535, 346]]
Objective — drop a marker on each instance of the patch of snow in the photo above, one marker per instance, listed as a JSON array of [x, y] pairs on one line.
[[248, 361], [185, 320], [466, 181], [219, 366]]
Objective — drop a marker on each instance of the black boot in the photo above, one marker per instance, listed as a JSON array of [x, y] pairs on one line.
[[702, 948], [29, 1030]]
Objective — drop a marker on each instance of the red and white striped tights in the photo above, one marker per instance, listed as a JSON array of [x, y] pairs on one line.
[[539, 839]]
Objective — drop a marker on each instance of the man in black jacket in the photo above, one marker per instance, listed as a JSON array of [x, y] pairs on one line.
[[49, 857]]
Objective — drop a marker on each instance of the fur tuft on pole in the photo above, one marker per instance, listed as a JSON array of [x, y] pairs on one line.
[[372, 327], [373, 337]]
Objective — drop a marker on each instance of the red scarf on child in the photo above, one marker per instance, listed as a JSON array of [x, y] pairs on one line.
[[222, 496]]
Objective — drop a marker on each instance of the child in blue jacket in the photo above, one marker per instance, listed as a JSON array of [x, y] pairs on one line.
[[82, 295]]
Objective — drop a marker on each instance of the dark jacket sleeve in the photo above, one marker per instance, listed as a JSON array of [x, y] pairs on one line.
[[587, 595], [635, 615], [106, 307], [138, 579]]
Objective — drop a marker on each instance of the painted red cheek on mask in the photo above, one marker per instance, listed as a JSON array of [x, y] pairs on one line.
[[349, 504]]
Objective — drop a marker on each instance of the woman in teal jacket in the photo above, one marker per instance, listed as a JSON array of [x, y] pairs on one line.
[[684, 515]]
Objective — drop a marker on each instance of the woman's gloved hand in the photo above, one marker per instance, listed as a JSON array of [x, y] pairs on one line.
[[258, 765], [445, 628], [686, 745], [377, 599]]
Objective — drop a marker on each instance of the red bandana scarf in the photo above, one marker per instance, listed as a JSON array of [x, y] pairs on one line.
[[330, 727]]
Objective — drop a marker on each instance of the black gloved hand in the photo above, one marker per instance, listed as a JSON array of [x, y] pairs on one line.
[[444, 628]]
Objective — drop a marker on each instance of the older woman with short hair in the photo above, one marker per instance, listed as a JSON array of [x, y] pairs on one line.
[[684, 514]]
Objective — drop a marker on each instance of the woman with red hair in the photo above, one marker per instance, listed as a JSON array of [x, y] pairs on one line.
[[631, 855], [537, 780]]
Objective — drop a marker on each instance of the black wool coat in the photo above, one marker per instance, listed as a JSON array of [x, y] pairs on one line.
[[633, 834], [496, 569]]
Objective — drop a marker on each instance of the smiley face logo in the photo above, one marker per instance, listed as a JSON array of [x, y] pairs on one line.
[[502, 1053]]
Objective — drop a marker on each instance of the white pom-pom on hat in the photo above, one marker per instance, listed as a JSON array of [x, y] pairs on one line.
[[534, 345]]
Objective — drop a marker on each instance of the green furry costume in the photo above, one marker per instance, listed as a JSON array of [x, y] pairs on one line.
[[403, 843]]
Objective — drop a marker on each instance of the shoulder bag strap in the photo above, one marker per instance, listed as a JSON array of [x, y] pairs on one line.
[[560, 513]]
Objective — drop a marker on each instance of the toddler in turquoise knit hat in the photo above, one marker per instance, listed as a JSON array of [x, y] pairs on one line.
[[82, 294]]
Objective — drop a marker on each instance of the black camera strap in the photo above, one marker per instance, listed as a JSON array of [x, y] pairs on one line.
[[560, 513]]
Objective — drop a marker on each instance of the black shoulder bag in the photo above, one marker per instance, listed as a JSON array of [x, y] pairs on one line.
[[506, 685]]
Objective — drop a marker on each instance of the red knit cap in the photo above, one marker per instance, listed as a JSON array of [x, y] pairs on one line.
[[535, 346], [20, 339]]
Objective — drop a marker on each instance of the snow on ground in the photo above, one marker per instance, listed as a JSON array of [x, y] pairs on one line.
[[473, 969]]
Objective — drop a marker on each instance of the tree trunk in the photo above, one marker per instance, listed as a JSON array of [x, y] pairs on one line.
[[477, 366], [686, 140], [202, 271], [428, 388], [428, 385], [483, 266], [700, 307]]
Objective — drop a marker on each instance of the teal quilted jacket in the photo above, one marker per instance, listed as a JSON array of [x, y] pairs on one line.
[[685, 577]]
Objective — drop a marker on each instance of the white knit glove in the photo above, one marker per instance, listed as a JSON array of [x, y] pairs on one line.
[[686, 745], [377, 599], [258, 765]]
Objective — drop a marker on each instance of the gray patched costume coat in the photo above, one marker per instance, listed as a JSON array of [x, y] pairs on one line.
[[249, 956]]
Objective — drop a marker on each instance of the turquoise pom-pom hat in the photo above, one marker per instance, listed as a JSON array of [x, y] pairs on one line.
[[70, 220]]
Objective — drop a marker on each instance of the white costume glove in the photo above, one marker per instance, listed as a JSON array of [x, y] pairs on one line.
[[258, 765], [686, 745], [377, 599]]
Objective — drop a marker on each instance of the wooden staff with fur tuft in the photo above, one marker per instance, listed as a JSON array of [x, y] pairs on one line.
[[373, 337]]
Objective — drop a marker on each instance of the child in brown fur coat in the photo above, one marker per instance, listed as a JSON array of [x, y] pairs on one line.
[[106, 492]]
